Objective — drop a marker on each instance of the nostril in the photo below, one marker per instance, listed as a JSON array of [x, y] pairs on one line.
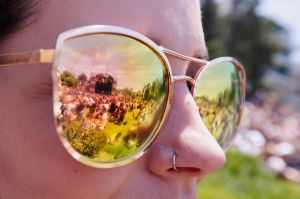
[[186, 170]]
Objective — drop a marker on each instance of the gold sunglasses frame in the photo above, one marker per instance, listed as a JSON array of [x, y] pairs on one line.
[[49, 56]]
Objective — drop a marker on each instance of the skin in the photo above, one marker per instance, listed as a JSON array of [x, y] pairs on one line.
[[33, 162]]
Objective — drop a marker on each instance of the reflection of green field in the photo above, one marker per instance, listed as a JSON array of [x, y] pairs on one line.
[[116, 146], [113, 142]]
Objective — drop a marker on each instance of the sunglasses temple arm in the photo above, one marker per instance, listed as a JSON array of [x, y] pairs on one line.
[[34, 57]]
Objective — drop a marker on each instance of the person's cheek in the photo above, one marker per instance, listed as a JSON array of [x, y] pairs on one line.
[[32, 156]]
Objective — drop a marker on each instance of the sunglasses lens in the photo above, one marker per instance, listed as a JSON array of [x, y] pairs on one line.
[[111, 97], [218, 94]]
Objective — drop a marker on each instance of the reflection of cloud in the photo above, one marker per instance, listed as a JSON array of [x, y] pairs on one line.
[[99, 57], [130, 62]]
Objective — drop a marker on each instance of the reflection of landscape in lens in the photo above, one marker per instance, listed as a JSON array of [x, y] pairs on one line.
[[112, 94], [219, 98]]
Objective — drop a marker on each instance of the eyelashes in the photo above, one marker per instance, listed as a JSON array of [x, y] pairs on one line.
[[194, 67]]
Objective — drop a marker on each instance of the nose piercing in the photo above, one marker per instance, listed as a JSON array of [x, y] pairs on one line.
[[174, 162]]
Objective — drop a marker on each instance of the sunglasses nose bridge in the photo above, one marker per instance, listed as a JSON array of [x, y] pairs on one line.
[[183, 78]]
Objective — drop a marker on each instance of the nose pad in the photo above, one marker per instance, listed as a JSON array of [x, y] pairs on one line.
[[191, 82], [188, 79], [184, 133]]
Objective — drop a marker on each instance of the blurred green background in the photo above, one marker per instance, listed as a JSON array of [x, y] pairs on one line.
[[265, 159], [244, 177]]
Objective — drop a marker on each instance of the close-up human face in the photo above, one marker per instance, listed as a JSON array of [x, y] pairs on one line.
[[33, 161]]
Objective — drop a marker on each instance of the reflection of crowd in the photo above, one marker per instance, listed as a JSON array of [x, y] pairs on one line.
[[272, 130], [95, 109]]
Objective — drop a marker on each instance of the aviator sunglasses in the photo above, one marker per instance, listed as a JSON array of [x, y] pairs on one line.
[[112, 90]]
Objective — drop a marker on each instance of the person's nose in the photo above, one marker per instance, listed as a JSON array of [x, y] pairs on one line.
[[184, 134]]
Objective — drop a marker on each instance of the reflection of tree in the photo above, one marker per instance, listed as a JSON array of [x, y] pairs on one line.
[[227, 97], [104, 83], [68, 79], [82, 78], [97, 83], [86, 141], [154, 90]]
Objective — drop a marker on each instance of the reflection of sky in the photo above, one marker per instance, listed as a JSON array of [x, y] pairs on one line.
[[216, 80], [131, 63], [287, 14]]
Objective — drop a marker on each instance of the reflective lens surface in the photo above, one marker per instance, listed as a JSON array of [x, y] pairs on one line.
[[219, 97], [112, 95]]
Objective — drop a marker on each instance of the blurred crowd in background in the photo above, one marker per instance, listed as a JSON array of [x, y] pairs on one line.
[[271, 129], [271, 124]]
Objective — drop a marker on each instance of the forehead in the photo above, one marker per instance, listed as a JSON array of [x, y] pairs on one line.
[[174, 24]]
